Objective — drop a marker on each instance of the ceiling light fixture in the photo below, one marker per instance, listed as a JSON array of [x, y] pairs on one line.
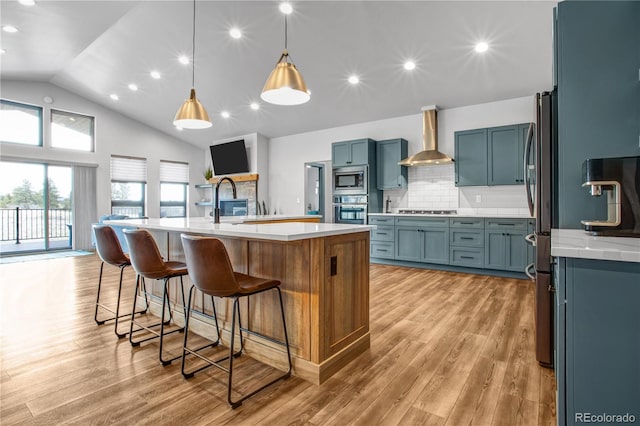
[[114, 97], [285, 85], [482, 47], [225, 114], [235, 33], [184, 60], [9, 29], [27, 2], [155, 75], [192, 114], [254, 106], [409, 65], [353, 79], [133, 87]]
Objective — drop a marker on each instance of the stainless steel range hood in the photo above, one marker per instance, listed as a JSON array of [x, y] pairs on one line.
[[430, 156]]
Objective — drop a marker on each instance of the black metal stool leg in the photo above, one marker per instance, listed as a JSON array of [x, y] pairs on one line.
[[284, 328], [231, 354], [115, 328], [165, 302], [95, 316]]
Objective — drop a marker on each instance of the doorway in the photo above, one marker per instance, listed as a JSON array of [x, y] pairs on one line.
[[314, 189], [35, 207]]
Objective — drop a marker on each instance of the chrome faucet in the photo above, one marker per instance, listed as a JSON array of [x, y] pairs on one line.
[[216, 199]]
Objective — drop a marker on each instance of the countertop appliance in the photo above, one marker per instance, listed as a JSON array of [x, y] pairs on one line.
[[352, 180], [540, 175], [619, 178]]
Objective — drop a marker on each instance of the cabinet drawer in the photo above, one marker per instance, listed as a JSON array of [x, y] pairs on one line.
[[423, 222], [467, 238], [472, 257], [382, 233], [505, 224], [467, 222], [381, 220], [381, 250]]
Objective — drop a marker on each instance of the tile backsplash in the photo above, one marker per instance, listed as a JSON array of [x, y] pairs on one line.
[[433, 188]]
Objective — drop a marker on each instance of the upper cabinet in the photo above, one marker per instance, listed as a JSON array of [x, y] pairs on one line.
[[390, 174], [353, 153], [471, 157], [492, 156]]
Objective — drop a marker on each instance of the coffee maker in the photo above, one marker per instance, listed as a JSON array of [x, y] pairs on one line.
[[620, 179]]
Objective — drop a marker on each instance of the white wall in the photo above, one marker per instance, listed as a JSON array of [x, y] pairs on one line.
[[288, 154], [115, 135]]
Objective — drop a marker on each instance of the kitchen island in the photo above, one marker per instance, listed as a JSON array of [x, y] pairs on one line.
[[324, 270]]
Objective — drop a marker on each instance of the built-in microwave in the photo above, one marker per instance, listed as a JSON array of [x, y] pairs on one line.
[[350, 180]]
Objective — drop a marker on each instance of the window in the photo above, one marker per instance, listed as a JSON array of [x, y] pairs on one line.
[[72, 131], [20, 123], [174, 179], [128, 186]]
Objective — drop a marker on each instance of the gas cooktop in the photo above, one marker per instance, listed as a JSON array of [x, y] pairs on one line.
[[412, 211]]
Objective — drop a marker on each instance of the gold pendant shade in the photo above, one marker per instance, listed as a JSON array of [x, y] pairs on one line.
[[285, 85], [192, 114]]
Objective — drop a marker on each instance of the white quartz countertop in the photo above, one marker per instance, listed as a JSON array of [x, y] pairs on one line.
[[234, 227], [506, 215], [580, 244]]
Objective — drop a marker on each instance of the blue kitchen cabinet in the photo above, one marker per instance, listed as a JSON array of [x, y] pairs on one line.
[[471, 157], [597, 345], [390, 174], [353, 153], [505, 247], [598, 93], [383, 237], [422, 239], [466, 242], [503, 165]]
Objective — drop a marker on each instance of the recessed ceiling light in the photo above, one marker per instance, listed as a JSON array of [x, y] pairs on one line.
[[482, 47], [235, 32], [255, 106], [3, 51], [114, 96], [178, 128], [27, 2], [155, 74], [133, 87], [9, 29], [353, 79], [72, 119], [225, 114], [409, 65], [184, 60], [286, 8]]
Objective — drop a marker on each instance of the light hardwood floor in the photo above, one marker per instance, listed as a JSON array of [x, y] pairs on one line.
[[446, 349]]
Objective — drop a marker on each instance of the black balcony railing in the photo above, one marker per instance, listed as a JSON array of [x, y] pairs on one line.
[[19, 224]]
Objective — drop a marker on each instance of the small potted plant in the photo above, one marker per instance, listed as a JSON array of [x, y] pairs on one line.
[[208, 174]]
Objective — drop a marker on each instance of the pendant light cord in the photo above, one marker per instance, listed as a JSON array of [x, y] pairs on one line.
[[193, 49], [285, 32]]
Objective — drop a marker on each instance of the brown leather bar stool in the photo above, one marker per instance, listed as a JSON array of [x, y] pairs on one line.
[[148, 263], [110, 252], [211, 272]]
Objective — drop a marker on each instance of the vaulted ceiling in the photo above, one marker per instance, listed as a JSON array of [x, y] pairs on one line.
[[97, 48]]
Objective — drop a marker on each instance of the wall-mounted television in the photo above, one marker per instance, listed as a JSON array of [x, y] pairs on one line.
[[229, 158]]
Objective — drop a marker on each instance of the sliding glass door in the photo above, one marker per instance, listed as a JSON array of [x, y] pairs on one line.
[[35, 207]]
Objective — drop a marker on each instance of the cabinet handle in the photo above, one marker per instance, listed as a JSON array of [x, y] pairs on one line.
[[466, 223], [382, 233], [466, 257], [382, 250], [506, 224], [466, 238]]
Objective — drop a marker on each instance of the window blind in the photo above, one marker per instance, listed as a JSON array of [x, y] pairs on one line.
[[174, 172], [128, 169]]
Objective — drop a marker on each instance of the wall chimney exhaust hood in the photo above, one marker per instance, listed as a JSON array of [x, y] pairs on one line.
[[429, 156]]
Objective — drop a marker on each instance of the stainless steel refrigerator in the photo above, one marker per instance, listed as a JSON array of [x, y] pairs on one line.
[[540, 167]]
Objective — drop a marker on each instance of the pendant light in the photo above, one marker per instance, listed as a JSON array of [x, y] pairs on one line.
[[192, 114], [285, 85]]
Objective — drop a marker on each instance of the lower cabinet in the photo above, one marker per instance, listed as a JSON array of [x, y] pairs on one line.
[[430, 245], [597, 342], [504, 245]]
